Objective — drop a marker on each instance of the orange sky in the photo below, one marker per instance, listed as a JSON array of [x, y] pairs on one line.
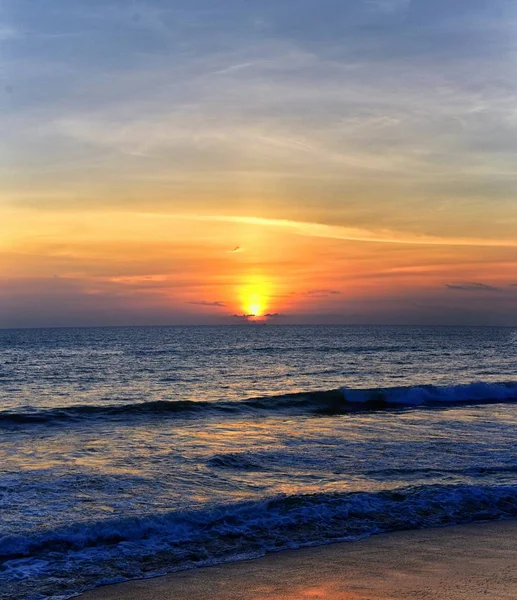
[[180, 166], [144, 267]]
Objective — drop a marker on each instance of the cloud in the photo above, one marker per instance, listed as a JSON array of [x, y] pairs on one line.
[[341, 232], [247, 317], [8, 33], [323, 293], [472, 287], [282, 106], [205, 303]]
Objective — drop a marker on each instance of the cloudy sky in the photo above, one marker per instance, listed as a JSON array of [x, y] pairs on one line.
[[333, 161]]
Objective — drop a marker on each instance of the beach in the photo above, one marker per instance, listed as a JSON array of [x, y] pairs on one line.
[[465, 562]]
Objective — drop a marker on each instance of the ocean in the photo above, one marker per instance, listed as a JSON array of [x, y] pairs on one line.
[[132, 452]]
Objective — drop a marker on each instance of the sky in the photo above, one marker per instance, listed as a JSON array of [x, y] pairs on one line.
[[290, 161]]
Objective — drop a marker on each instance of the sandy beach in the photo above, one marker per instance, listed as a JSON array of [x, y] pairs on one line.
[[467, 562]]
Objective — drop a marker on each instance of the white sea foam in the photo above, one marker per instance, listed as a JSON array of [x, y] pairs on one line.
[[90, 553], [434, 394]]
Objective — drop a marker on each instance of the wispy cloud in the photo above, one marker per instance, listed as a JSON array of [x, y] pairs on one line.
[[8, 33], [339, 232], [280, 103], [323, 293], [207, 303], [472, 287]]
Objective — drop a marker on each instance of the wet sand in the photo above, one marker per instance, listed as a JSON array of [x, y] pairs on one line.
[[466, 562]]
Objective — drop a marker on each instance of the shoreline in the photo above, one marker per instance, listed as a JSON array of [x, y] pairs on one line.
[[475, 561]]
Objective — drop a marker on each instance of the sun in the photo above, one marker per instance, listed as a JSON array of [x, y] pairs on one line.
[[254, 307], [254, 295]]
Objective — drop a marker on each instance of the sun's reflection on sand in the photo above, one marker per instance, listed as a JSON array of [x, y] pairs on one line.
[[323, 592]]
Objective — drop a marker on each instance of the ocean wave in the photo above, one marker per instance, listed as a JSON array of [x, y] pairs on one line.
[[409, 473], [126, 548], [236, 460], [332, 402]]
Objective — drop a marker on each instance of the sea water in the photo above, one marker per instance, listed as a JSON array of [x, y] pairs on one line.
[[131, 452]]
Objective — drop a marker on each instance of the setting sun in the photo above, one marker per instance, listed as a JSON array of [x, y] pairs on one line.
[[254, 296], [255, 308]]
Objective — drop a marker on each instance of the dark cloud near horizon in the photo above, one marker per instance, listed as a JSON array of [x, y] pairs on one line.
[[472, 287], [245, 316]]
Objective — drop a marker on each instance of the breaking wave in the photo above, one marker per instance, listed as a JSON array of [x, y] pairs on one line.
[[332, 402], [140, 547]]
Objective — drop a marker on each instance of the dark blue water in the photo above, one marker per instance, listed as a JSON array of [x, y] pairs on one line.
[[127, 452]]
